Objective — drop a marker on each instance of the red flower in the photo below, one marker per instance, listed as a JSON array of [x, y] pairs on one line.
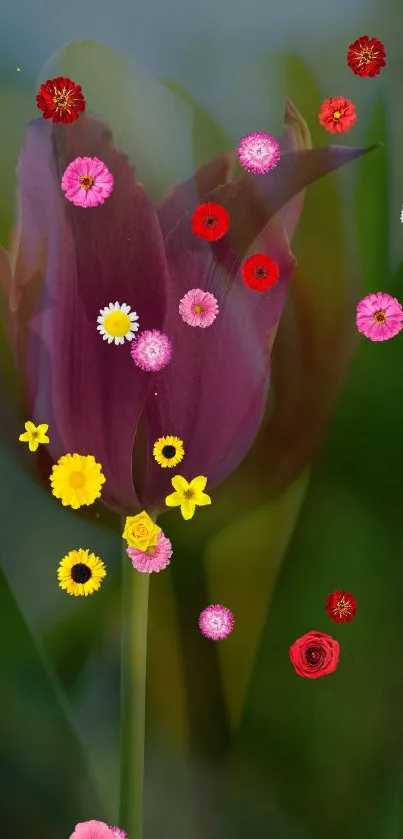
[[210, 221], [341, 606], [314, 655], [260, 272], [60, 100], [366, 56], [337, 114]]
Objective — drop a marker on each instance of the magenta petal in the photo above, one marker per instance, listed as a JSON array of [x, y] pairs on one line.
[[89, 392]]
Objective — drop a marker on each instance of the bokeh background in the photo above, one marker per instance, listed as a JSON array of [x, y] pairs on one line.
[[236, 743]]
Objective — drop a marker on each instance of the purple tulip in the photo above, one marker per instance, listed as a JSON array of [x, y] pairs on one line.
[[72, 262]]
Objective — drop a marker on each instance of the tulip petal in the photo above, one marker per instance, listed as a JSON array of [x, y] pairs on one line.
[[91, 393]]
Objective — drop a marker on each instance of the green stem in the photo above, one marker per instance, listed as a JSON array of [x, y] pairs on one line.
[[135, 589]]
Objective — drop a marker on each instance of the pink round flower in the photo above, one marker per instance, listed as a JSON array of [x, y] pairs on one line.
[[118, 832], [198, 308], [92, 830], [151, 350], [216, 622], [87, 182], [379, 316], [259, 152], [153, 559]]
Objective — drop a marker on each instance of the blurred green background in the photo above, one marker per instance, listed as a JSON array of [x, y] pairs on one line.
[[236, 743]]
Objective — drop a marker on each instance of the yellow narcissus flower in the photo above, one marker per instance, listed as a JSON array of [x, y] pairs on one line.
[[80, 573], [77, 480], [141, 532], [34, 435], [188, 496]]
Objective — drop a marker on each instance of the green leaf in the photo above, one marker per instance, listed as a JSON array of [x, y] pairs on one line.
[[150, 124], [208, 139], [36, 732], [17, 106]]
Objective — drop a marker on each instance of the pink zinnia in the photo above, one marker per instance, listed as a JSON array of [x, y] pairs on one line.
[[259, 152], [216, 622], [379, 316], [198, 308], [154, 558], [87, 182], [151, 350], [92, 830], [118, 832]]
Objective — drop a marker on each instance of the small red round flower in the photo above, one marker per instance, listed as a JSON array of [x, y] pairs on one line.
[[337, 114], [260, 272], [341, 606], [366, 56], [314, 655], [60, 100], [210, 222]]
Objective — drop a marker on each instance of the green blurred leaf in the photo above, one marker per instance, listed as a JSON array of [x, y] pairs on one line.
[[208, 138], [35, 732], [17, 106], [151, 125]]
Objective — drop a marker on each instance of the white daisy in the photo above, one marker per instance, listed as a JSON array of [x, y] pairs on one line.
[[117, 323]]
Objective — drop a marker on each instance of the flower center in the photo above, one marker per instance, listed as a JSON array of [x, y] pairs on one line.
[[35, 435], [260, 272], [169, 451], [211, 221], [337, 115], [61, 100], [151, 550], [380, 316], [80, 573], [76, 480], [188, 494], [140, 531], [117, 324], [197, 308], [342, 607], [312, 655], [367, 56], [86, 181]]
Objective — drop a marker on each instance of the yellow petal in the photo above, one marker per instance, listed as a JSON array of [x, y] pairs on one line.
[[173, 500], [29, 426], [202, 499], [179, 483], [24, 437], [44, 439], [188, 509], [198, 484], [33, 445], [42, 428]]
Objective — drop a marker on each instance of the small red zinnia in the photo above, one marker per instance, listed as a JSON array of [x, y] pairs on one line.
[[210, 222], [337, 114], [341, 606], [60, 100], [260, 272], [366, 56]]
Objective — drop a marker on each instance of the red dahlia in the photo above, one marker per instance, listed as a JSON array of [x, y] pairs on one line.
[[337, 114], [260, 272], [210, 222], [60, 100], [341, 606], [366, 56]]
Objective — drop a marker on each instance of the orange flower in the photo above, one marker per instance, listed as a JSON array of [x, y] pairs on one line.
[[337, 114]]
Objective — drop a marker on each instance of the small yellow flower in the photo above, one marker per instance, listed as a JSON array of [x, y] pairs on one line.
[[188, 496], [34, 435], [77, 480], [80, 573], [168, 451], [141, 532]]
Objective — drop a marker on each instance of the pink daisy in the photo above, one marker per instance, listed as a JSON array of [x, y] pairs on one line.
[[118, 832], [151, 350], [216, 622], [379, 316], [153, 559], [198, 308], [259, 152], [92, 830], [87, 182]]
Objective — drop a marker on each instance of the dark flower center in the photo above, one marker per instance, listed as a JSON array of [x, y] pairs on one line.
[[260, 272], [80, 573], [380, 316], [188, 494], [169, 452], [313, 655], [211, 221]]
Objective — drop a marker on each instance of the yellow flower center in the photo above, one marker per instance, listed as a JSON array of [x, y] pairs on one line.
[[86, 181], [61, 100], [117, 324], [197, 308], [140, 531], [34, 435], [76, 480], [150, 551], [188, 494], [380, 317], [337, 115]]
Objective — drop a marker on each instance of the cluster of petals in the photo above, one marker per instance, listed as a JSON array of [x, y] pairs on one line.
[[379, 316]]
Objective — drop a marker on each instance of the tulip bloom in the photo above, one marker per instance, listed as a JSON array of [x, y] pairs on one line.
[[72, 262]]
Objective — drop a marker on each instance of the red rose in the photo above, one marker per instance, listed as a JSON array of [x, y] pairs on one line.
[[314, 655]]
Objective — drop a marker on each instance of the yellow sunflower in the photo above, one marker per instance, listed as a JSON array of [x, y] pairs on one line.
[[80, 573], [34, 435], [168, 451], [77, 480]]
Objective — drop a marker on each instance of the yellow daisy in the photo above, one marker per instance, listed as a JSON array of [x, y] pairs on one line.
[[168, 451], [77, 480], [141, 532], [188, 496], [34, 435], [80, 573]]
